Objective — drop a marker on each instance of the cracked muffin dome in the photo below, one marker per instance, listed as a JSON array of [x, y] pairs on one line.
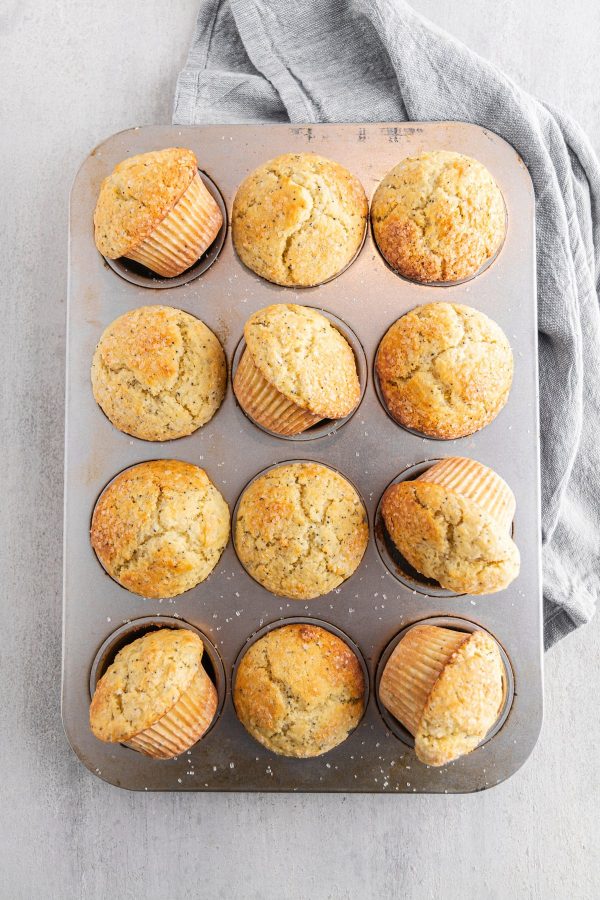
[[299, 690], [156, 695], [158, 373], [301, 530], [296, 370], [445, 370], [154, 208], [299, 219], [439, 216], [452, 524], [446, 687], [159, 528]]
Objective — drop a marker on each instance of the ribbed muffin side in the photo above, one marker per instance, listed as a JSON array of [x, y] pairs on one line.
[[446, 687], [137, 195], [449, 538]]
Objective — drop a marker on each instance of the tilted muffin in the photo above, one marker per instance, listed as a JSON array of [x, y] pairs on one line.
[[158, 373], [154, 208], [159, 528], [446, 687], [439, 216], [452, 524], [296, 370], [445, 370], [301, 530], [156, 696], [299, 219], [299, 690]]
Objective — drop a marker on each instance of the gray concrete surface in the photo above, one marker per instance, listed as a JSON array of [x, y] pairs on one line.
[[72, 73]]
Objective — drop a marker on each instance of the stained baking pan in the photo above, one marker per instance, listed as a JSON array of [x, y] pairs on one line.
[[381, 599]]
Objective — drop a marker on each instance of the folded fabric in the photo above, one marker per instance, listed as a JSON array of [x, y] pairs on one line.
[[377, 60]]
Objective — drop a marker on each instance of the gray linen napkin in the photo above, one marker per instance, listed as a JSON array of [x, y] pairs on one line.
[[377, 60]]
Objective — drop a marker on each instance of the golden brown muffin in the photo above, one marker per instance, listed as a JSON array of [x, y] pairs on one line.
[[299, 219], [158, 373], [446, 687], [296, 370], [445, 370], [156, 696], [301, 530], [159, 528], [439, 216], [299, 690], [155, 209], [451, 536]]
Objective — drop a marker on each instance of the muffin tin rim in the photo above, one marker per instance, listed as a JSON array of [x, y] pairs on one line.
[[442, 137]]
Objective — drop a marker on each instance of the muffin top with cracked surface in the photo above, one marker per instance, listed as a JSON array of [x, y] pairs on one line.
[[159, 528], [299, 219], [299, 690], [301, 530], [158, 373], [464, 703], [445, 370], [305, 357], [449, 538], [439, 216], [137, 195], [145, 681]]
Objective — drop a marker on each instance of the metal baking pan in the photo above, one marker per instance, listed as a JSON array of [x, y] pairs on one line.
[[379, 600]]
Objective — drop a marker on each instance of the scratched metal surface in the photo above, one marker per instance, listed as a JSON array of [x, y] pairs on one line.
[[373, 605]]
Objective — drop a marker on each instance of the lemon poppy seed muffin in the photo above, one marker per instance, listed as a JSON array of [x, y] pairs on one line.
[[158, 373], [156, 696], [439, 216], [154, 208], [299, 690], [299, 219], [445, 370], [159, 528], [452, 524], [446, 687], [300, 530], [297, 369]]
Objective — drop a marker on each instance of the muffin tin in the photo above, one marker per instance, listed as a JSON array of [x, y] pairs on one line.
[[376, 603]]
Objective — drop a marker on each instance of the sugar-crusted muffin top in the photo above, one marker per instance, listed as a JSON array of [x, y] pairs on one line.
[[445, 369], [158, 373], [305, 357], [438, 216], [450, 538], [159, 528], [145, 681], [299, 690], [299, 219], [301, 530], [464, 703], [137, 195]]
